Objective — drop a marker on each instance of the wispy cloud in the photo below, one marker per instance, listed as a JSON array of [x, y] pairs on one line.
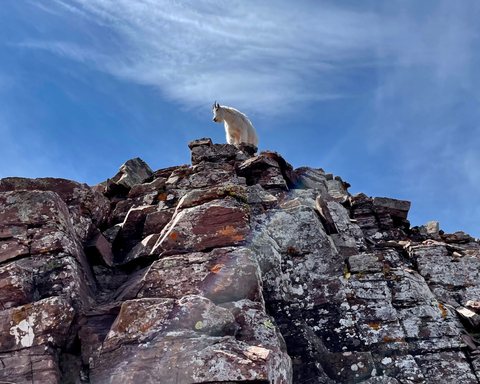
[[206, 50], [426, 105]]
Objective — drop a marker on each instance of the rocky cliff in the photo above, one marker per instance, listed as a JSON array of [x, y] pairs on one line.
[[236, 269]]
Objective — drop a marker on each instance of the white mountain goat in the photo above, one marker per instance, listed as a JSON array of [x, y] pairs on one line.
[[237, 127]]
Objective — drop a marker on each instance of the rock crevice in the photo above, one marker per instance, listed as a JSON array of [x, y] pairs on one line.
[[236, 269]]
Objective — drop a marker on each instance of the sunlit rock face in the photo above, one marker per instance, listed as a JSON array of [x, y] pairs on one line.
[[235, 269]]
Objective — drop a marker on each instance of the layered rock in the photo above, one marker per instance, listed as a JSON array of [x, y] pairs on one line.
[[236, 269]]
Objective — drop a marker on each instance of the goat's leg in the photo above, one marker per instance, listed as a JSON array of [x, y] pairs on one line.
[[244, 137], [230, 139]]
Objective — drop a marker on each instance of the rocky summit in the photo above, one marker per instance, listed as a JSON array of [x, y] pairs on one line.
[[234, 269]]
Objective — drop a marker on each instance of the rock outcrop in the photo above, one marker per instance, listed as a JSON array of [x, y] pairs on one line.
[[236, 269]]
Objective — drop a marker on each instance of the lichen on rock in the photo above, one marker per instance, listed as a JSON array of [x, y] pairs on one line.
[[235, 269]]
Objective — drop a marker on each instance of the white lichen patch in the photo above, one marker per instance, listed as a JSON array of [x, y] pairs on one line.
[[386, 360], [23, 333]]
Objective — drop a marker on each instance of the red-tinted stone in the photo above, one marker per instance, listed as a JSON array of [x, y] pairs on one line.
[[263, 170], [394, 207], [224, 274], [99, 250], [202, 176], [38, 364], [133, 172], [134, 221], [43, 322], [290, 176], [216, 153], [327, 217], [207, 142], [143, 248], [16, 285], [156, 221], [201, 196], [166, 172], [87, 207], [156, 185], [218, 223]]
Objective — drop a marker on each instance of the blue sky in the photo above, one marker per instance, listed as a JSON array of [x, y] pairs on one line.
[[385, 94]]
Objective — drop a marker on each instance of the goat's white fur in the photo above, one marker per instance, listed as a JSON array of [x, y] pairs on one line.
[[237, 127]]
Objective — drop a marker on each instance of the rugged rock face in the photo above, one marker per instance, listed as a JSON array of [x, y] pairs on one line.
[[237, 269]]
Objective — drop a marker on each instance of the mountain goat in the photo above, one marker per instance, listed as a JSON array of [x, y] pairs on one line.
[[237, 127]]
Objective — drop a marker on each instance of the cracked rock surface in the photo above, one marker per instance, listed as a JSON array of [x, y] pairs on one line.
[[235, 269]]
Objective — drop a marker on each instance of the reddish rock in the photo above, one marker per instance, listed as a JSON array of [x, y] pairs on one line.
[[353, 294], [55, 254], [13, 248], [134, 221], [133, 172], [43, 322], [206, 142], [218, 223], [312, 178], [49, 227], [202, 176], [97, 325], [141, 320], [99, 250], [260, 162], [338, 189], [458, 237], [224, 274], [37, 364], [200, 196], [204, 151], [124, 206], [183, 341], [272, 178], [291, 177], [166, 172], [181, 358], [32, 208], [156, 221], [394, 207], [16, 285], [87, 207], [156, 185], [143, 248], [263, 170], [55, 276], [380, 218], [326, 216], [112, 233]]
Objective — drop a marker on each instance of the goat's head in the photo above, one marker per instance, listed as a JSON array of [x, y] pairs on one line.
[[218, 113]]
